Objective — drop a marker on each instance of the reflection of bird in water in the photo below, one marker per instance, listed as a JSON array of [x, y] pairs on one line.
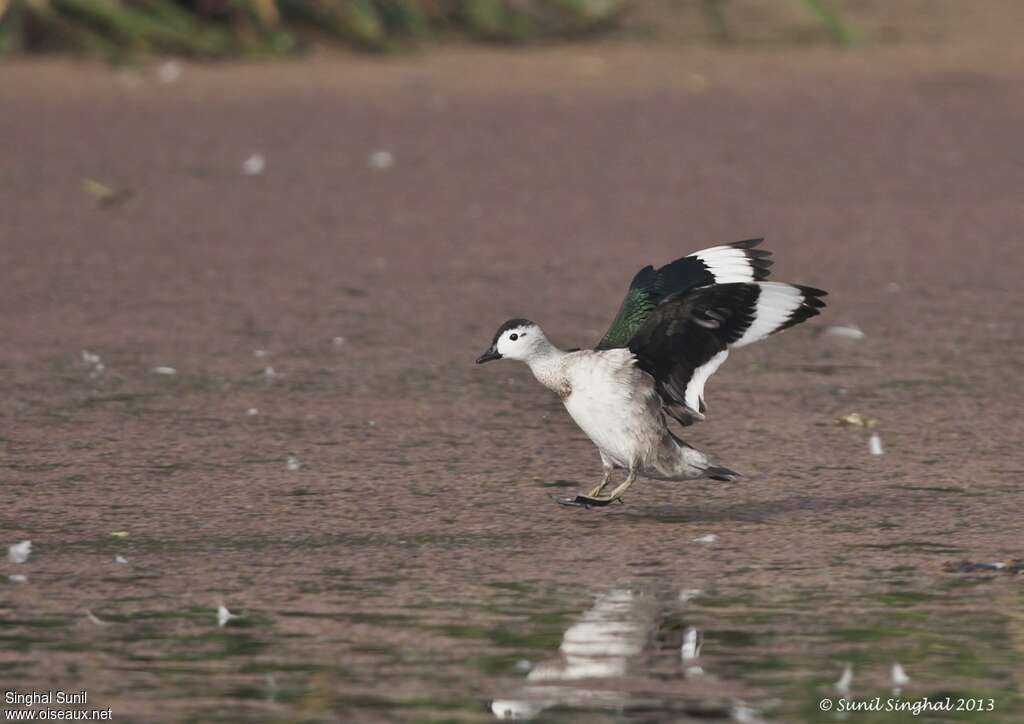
[[674, 329], [608, 642], [598, 646]]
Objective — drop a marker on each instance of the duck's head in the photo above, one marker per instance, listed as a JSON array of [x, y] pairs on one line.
[[516, 339]]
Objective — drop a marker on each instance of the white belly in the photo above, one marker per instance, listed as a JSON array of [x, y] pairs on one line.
[[605, 423], [616, 408]]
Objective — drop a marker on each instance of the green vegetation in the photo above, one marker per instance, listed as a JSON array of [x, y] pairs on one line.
[[118, 29]]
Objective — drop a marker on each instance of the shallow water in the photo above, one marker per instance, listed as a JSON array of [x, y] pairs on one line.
[[642, 650]]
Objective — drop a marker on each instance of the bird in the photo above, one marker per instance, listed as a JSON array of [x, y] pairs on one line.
[[674, 329]]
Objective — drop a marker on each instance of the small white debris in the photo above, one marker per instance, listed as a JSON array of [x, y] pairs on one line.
[[103, 194], [252, 412], [338, 341], [169, 72], [293, 463], [373, 423], [688, 594], [129, 78], [690, 650], [224, 615], [524, 665], [843, 684], [17, 578], [120, 559], [847, 331], [93, 362], [260, 353], [899, 679], [269, 373], [516, 710], [164, 371], [855, 419], [875, 444], [381, 160], [709, 538], [254, 165], [698, 82], [19, 552], [692, 641], [744, 713], [95, 619], [893, 287]]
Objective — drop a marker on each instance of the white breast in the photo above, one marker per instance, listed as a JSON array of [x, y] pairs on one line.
[[611, 400]]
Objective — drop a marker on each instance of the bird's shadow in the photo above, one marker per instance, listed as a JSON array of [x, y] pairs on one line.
[[745, 512]]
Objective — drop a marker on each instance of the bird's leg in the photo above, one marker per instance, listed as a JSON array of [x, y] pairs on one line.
[[599, 501], [624, 486], [608, 467]]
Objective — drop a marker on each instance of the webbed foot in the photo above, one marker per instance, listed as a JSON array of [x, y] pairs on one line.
[[588, 501]]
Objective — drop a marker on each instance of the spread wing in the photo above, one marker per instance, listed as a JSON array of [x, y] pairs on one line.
[[686, 337], [739, 262]]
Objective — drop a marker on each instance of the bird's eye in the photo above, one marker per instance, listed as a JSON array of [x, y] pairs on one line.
[[513, 337]]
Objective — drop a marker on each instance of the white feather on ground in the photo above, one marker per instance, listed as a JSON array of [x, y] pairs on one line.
[[690, 651], [254, 165], [224, 615], [743, 713], [846, 331], [843, 685], [95, 619], [688, 594], [899, 678], [19, 552], [381, 160], [691, 644]]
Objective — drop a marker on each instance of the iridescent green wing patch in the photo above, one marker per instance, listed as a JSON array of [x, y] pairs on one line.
[[640, 301]]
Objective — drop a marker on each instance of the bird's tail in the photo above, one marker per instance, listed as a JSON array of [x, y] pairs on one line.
[[718, 472], [681, 461]]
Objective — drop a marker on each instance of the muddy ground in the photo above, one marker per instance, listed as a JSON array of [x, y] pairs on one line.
[[415, 567]]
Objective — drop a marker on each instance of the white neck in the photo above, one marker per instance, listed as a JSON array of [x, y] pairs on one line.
[[546, 364]]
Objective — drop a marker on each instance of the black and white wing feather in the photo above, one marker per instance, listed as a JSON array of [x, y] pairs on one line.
[[688, 335], [741, 261]]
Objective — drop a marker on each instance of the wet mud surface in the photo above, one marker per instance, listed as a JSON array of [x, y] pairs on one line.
[[413, 565]]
